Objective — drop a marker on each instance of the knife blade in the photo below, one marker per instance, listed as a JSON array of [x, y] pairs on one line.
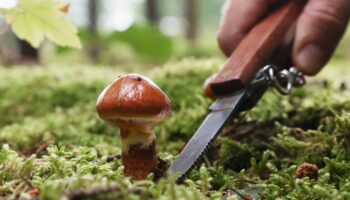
[[220, 112]]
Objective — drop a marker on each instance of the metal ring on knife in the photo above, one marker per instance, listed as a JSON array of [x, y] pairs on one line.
[[282, 81]]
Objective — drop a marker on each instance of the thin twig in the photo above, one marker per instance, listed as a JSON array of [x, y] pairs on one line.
[[245, 180], [236, 192]]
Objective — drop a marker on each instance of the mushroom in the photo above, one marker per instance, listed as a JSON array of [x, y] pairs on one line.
[[136, 105]]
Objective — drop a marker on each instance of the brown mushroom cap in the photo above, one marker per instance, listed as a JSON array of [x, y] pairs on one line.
[[133, 98]]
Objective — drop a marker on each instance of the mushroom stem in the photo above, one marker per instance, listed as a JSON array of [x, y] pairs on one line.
[[139, 155]]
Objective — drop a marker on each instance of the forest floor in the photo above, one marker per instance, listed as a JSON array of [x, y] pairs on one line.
[[54, 146]]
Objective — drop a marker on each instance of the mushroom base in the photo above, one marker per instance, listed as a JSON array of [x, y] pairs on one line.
[[139, 160]]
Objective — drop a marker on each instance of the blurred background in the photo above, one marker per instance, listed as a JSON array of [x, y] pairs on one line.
[[134, 34], [127, 32]]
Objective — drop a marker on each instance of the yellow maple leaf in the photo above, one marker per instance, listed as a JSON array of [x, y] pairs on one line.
[[35, 20]]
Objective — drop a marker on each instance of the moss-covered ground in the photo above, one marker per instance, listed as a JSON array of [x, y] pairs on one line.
[[54, 146]]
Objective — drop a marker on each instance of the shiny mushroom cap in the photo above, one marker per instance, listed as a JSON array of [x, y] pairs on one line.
[[133, 100]]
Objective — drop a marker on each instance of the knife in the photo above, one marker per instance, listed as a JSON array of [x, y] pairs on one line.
[[244, 78]]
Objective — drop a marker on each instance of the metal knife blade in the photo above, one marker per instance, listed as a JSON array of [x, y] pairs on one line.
[[220, 112]]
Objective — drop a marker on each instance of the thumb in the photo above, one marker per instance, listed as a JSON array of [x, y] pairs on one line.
[[319, 30]]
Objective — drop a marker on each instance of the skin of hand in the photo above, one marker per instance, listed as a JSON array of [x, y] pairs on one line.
[[319, 29]]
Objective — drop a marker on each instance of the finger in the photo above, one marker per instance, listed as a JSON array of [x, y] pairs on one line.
[[319, 29], [239, 16]]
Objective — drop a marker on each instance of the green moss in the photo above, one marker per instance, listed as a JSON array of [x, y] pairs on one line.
[[52, 140]]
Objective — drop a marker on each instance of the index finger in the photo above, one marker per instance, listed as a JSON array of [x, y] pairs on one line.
[[239, 17]]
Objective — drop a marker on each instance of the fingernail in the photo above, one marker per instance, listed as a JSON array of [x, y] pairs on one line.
[[311, 59]]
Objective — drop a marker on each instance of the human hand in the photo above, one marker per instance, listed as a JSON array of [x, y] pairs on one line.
[[319, 29]]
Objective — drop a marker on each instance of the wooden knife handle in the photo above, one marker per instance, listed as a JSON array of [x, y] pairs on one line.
[[264, 44]]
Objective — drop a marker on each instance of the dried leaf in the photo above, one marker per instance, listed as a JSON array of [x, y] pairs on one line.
[[65, 8]]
